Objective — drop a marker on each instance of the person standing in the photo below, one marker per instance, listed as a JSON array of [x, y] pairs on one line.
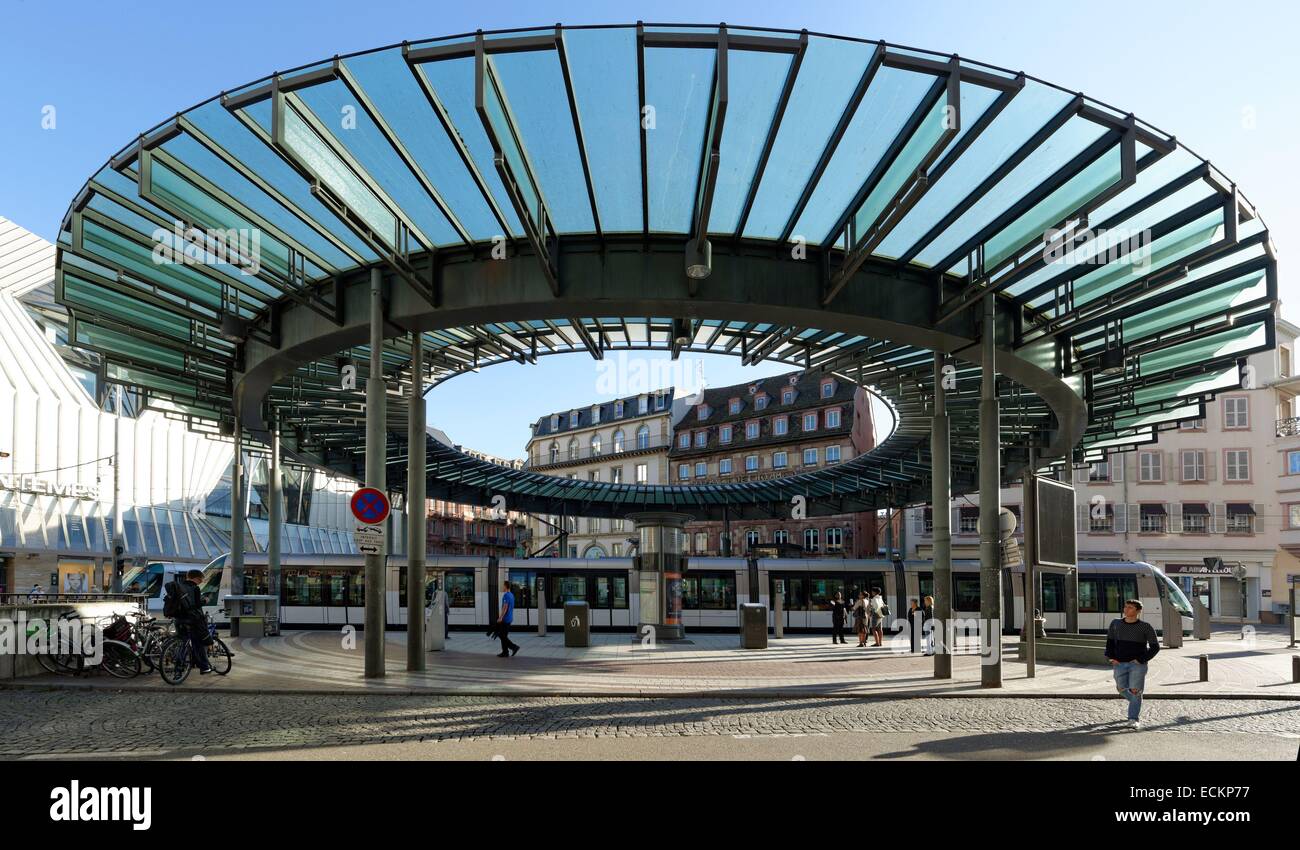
[[837, 618], [507, 616], [1130, 645], [36, 592], [876, 616], [927, 631], [184, 604], [860, 617], [913, 623]]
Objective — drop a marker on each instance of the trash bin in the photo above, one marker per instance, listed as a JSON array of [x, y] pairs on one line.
[[753, 626], [577, 624]]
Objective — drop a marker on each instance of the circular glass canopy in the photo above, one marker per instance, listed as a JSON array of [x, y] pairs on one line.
[[837, 204]]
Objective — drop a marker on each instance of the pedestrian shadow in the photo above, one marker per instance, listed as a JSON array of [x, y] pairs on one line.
[[1013, 746]]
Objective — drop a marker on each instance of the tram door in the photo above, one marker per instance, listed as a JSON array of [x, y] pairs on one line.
[[794, 603]]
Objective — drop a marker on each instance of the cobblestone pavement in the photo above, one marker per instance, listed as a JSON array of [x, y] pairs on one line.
[[104, 723]]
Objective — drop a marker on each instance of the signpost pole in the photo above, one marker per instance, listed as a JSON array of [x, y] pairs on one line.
[[990, 508], [277, 515], [415, 510], [940, 501], [1029, 555], [376, 476]]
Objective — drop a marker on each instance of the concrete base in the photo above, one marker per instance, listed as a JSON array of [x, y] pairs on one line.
[[1072, 648]]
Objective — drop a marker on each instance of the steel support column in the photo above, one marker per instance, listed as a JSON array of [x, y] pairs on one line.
[[941, 499], [376, 475], [1029, 554], [415, 510], [276, 487], [237, 502], [990, 508]]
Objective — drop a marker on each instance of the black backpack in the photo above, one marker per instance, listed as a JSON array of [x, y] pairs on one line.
[[172, 600]]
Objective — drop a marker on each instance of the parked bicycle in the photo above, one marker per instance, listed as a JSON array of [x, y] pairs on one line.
[[177, 656]]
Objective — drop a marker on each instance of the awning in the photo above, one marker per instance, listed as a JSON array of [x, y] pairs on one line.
[[1194, 508], [1239, 508], [1153, 510]]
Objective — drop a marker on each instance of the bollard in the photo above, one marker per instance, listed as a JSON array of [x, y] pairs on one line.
[[1295, 669], [1205, 668]]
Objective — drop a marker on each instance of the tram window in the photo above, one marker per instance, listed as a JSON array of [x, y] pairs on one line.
[[620, 592], [794, 598], [1118, 589], [715, 592], [336, 589], [690, 593], [926, 582], [602, 591], [1053, 586], [301, 587], [1089, 594], [965, 593], [568, 588], [357, 588], [821, 590], [523, 583], [460, 589]]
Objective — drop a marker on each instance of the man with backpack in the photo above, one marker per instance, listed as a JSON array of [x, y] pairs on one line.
[[184, 605]]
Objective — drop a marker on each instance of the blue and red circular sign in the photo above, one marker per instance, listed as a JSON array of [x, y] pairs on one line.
[[370, 505]]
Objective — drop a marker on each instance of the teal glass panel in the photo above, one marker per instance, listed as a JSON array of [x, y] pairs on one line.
[[108, 302], [1026, 113], [138, 260], [504, 130], [1227, 344], [1067, 142], [679, 94], [1149, 258], [754, 81], [1055, 208], [352, 129], [890, 100], [1212, 302], [225, 130], [128, 346], [602, 65], [389, 83], [452, 80], [149, 380], [534, 86], [1185, 387], [830, 72], [331, 170]]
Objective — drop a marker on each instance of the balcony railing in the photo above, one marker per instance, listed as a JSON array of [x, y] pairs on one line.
[[586, 453], [1289, 427]]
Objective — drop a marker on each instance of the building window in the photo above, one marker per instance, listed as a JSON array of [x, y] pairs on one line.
[[833, 418], [642, 473], [1193, 463], [778, 460], [1241, 518], [832, 454], [724, 434], [595, 414], [1099, 471], [810, 422], [595, 444], [701, 439], [659, 401], [969, 521], [555, 422], [828, 389], [701, 469], [1149, 466], [760, 402], [703, 411], [573, 449], [616, 475], [1192, 425], [751, 430], [1293, 463], [1195, 519], [593, 475], [573, 419], [643, 437], [1293, 516], [834, 540], [617, 549], [701, 542], [752, 538], [1153, 519], [684, 441], [555, 452], [809, 457], [734, 407], [810, 536], [643, 404], [787, 396], [1236, 412], [618, 441], [1284, 362], [724, 466], [780, 536], [751, 463], [1238, 466], [618, 410], [781, 425]]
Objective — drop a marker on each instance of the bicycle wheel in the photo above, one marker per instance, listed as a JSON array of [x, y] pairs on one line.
[[219, 656], [120, 660], [175, 661], [151, 651]]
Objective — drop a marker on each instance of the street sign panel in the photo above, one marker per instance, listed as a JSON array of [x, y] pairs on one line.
[[370, 539], [370, 505]]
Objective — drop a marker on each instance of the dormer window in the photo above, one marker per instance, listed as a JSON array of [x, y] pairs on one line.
[[595, 413], [787, 396], [760, 401], [643, 404], [734, 406], [659, 401], [573, 419], [555, 422], [703, 411], [828, 389], [618, 410]]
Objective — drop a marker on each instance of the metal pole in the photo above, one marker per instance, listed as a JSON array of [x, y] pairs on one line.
[[990, 508], [276, 487], [941, 500], [376, 476], [238, 518], [1029, 554], [119, 536], [726, 532], [415, 510]]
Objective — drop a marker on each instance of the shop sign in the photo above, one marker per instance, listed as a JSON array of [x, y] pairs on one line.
[[43, 487], [1219, 569]]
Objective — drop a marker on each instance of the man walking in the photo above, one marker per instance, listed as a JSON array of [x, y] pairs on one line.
[[184, 604], [837, 619], [508, 647], [1130, 644]]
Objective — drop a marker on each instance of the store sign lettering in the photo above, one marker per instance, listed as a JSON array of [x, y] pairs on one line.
[[40, 486]]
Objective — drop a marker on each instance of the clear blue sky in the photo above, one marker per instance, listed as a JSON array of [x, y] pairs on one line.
[[111, 70]]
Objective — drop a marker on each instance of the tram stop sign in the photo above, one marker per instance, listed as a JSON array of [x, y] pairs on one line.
[[370, 506]]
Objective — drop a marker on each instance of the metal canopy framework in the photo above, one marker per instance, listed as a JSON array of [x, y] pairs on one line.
[[828, 202]]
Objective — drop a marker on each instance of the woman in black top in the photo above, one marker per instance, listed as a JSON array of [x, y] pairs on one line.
[[837, 619]]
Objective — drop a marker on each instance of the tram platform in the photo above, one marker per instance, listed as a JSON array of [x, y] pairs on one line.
[[709, 664]]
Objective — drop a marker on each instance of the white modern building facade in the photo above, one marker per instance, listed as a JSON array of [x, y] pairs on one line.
[[1226, 486]]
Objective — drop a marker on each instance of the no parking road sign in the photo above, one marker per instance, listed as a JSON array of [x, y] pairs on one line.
[[370, 506]]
